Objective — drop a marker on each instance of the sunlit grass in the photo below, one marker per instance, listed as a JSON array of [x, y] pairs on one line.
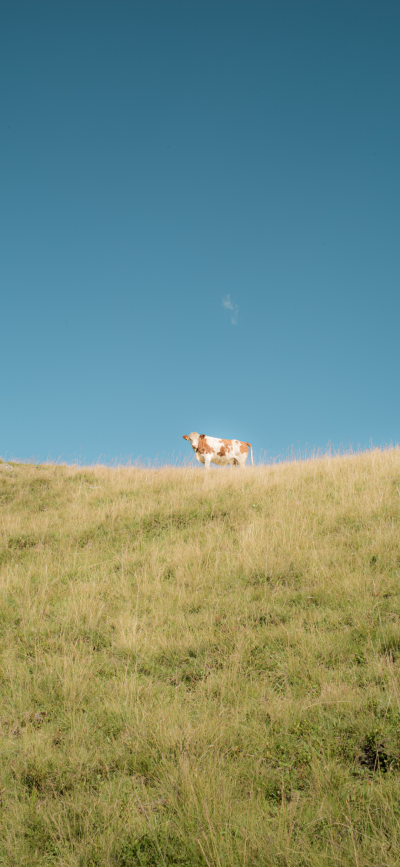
[[201, 669]]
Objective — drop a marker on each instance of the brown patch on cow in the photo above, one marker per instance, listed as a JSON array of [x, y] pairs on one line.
[[244, 448], [227, 445], [222, 452], [203, 446]]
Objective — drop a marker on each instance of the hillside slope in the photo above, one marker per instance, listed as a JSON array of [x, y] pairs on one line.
[[201, 669]]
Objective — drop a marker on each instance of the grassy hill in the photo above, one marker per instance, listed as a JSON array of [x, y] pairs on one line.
[[201, 669]]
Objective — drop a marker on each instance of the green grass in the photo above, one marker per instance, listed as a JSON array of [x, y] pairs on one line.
[[199, 669]]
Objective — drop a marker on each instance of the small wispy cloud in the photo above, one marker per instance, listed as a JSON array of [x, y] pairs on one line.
[[232, 308]]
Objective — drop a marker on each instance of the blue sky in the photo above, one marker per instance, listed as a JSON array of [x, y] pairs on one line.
[[199, 225]]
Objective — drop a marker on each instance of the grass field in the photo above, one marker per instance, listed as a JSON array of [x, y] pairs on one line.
[[201, 669]]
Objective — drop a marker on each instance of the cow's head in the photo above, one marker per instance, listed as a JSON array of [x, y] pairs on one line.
[[193, 439]]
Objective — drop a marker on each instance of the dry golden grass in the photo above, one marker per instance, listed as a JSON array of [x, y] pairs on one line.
[[201, 669]]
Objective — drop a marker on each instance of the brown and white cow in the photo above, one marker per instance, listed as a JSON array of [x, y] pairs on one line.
[[212, 450]]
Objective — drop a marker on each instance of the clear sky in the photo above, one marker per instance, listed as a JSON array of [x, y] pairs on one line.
[[200, 205]]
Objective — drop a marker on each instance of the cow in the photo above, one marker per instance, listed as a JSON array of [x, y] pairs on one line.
[[209, 450]]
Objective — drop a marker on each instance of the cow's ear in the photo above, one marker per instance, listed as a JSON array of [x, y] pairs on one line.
[[202, 436], [185, 437]]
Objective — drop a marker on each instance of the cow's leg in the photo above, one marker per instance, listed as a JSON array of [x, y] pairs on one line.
[[207, 462]]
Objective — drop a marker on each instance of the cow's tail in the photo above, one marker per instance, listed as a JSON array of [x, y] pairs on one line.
[[251, 454]]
